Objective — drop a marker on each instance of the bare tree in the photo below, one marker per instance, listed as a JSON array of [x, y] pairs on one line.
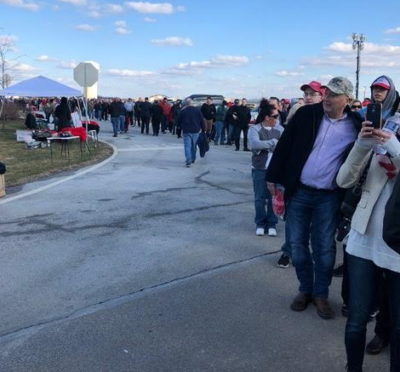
[[7, 64]]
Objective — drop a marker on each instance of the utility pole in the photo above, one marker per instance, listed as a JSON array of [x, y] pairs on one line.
[[358, 43]]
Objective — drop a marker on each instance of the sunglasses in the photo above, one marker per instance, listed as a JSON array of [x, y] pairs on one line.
[[355, 106]]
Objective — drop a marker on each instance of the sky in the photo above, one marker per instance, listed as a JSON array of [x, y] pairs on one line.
[[253, 49]]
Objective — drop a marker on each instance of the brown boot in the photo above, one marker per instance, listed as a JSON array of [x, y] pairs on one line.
[[301, 301], [324, 309]]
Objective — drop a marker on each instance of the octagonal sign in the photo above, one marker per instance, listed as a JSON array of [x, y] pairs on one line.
[[86, 74]]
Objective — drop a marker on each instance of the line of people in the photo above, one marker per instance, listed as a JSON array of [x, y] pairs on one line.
[[327, 146]]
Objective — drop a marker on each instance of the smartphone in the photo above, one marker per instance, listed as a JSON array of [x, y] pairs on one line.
[[374, 115]]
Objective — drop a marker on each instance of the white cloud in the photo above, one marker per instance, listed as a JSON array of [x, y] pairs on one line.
[[153, 8], [285, 73], [23, 67], [21, 4], [395, 30], [149, 20], [85, 27], [67, 65], [112, 8], [195, 67], [130, 73], [98, 10], [173, 41], [230, 60], [75, 2], [122, 31], [121, 24], [8, 39], [45, 58]]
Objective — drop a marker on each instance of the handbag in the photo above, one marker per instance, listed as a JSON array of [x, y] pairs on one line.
[[391, 219], [349, 204]]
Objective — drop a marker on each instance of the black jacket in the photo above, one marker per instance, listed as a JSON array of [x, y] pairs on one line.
[[232, 115], [208, 111], [145, 108], [296, 144], [156, 111], [114, 109], [244, 116]]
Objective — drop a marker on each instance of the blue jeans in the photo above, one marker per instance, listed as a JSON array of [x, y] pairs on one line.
[[314, 214], [364, 278], [115, 124], [190, 145], [231, 133], [262, 196], [122, 123], [286, 245], [219, 133]]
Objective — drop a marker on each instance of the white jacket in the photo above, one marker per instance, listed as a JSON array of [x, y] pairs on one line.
[[351, 171]]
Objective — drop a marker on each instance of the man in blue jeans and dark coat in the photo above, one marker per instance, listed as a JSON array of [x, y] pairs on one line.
[[306, 161], [191, 121]]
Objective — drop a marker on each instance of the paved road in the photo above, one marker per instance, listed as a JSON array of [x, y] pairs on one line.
[[145, 265]]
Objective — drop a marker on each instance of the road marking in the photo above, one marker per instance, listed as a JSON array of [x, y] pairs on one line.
[[50, 185]]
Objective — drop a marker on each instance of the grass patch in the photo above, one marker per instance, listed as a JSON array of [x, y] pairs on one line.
[[25, 165]]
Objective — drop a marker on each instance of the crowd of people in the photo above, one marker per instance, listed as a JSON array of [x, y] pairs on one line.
[[314, 150]]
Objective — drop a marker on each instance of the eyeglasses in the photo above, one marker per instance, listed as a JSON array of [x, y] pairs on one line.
[[356, 107], [305, 94]]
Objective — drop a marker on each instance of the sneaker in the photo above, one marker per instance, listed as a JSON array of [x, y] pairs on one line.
[[283, 261], [260, 231], [272, 231]]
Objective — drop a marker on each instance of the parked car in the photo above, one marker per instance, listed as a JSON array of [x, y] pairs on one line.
[[199, 99]]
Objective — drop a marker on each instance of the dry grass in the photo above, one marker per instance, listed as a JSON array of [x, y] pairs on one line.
[[25, 165]]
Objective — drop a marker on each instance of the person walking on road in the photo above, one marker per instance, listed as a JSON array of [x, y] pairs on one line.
[[191, 121], [114, 110], [306, 161]]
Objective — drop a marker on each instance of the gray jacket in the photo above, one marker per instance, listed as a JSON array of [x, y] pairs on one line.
[[262, 141]]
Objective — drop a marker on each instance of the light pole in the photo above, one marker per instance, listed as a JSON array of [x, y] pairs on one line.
[[358, 43]]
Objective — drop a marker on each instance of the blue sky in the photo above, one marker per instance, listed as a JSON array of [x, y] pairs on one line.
[[238, 49]]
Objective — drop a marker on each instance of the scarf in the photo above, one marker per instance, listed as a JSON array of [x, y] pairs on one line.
[[386, 163]]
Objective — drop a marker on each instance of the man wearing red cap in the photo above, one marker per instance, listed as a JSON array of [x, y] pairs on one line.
[[312, 94]]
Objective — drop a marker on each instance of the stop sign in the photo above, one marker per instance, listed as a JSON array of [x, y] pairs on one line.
[[86, 74]]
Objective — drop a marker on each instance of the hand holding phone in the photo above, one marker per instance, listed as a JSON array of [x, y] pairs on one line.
[[374, 115]]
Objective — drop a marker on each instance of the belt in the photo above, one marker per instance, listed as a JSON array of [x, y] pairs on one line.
[[310, 188]]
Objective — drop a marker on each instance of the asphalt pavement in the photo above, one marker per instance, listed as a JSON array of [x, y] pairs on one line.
[[141, 264]]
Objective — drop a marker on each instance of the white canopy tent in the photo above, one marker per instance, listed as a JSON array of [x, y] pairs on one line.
[[40, 86]]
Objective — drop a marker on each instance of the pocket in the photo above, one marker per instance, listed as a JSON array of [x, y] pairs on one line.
[[364, 200]]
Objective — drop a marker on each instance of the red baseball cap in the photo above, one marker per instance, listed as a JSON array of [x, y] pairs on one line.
[[381, 82], [314, 85]]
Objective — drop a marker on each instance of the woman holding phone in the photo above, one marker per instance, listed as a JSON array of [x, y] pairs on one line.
[[369, 258]]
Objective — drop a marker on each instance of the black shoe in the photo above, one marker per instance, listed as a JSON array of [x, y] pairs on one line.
[[236, 149], [301, 302], [115, 135], [283, 261], [376, 345], [338, 272]]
